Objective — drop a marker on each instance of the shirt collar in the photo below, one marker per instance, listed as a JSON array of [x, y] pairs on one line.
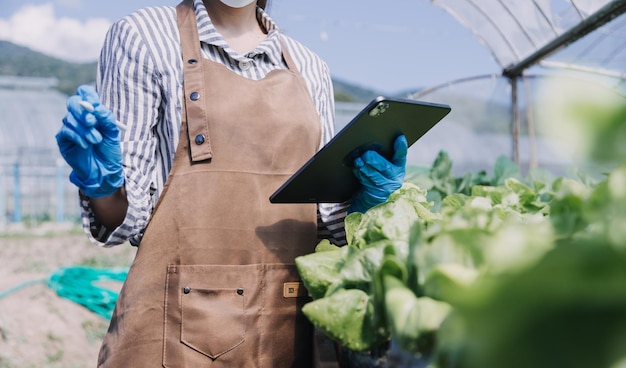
[[270, 47]]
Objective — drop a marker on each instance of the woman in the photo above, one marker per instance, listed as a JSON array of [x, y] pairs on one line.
[[207, 137]]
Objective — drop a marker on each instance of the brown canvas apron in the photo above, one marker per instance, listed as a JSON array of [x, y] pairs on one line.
[[214, 282]]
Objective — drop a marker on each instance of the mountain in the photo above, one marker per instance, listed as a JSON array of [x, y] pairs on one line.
[[21, 61], [350, 92], [17, 60]]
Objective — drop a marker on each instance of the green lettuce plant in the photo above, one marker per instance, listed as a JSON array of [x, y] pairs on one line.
[[486, 270]]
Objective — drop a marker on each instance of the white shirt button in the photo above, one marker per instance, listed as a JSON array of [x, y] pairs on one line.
[[245, 64]]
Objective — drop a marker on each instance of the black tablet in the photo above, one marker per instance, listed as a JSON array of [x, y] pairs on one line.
[[327, 177]]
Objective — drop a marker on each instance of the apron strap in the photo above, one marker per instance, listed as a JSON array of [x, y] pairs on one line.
[[287, 57], [194, 113]]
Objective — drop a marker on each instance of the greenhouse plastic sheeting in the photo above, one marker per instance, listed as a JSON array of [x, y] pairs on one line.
[[34, 181], [30, 115], [514, 30]]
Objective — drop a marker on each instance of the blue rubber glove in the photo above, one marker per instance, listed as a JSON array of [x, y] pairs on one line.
[[89, 143], [379, 176]]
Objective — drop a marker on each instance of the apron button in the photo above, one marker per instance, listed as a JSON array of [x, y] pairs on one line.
[[192, 61], [200, 139], [239, 291], [194, 96], [187, 290]]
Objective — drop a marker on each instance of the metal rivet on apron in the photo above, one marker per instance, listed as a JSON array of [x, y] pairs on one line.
[[239, 291], [200, 139], [194, 96], [192, 61], [187, 290]]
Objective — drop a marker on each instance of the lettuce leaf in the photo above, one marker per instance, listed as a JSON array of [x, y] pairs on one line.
[[320, 270], [347, 316]]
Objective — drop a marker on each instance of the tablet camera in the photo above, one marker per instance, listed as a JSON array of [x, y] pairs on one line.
[[379, 109]]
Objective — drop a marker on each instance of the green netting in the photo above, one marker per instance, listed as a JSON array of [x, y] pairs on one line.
[[83, 285]]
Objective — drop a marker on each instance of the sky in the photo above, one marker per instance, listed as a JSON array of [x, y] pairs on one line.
[[388, 46]]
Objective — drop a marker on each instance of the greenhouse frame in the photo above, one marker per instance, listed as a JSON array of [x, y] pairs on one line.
[[532, 42], [492, 115]]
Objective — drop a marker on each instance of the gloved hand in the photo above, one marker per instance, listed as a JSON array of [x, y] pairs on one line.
[[89, 142], [379, 176]]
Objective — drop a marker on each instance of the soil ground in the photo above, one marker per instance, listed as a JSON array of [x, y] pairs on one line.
[[37, 327]]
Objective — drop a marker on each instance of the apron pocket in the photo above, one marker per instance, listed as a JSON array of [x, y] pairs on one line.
[[209, 310], [213, 321]]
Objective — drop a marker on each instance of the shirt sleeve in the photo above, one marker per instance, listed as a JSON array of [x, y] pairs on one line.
[[128, 85], [330, 215]]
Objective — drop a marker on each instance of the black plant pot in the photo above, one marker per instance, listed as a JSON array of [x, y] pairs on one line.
[[385, 356]]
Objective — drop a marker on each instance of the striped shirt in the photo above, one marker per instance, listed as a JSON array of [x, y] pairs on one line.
[[140, 79]]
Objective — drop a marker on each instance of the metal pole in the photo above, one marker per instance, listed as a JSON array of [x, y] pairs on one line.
[[17, 200], [530, 118], [606, 14], [515, 122], [60, 185], [3, 208]]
